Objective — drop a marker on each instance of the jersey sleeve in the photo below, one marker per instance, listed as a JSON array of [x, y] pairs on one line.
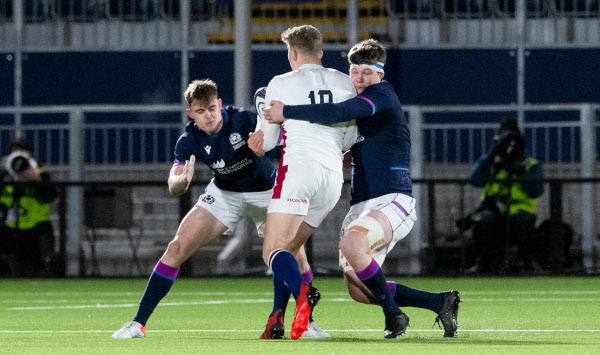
[[328, 113], [271, 131], [366, 104], [249, 122], [380, 97], [184, 148]]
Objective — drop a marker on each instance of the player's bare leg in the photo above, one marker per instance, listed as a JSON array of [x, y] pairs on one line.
[[196, 229], [364, 234], [444, 304]]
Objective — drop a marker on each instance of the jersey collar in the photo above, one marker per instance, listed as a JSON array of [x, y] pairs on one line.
[[310, 66]]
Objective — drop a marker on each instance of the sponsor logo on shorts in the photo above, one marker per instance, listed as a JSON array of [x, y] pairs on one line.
[[210, 199], [298, 200], [236, 140]]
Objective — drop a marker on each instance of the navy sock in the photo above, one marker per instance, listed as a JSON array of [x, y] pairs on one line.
[[158, 286], [409, 297], [285, 269], [375, 281], [281, 296]]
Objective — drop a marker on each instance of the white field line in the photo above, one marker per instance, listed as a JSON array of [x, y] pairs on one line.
[[126, 305], [328, 330], [139, 293], [245, 301]]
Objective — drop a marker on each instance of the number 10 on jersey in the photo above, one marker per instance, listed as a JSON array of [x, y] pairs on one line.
[[325, 97]]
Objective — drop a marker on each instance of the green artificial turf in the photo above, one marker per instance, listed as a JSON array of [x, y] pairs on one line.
[[208, 316]]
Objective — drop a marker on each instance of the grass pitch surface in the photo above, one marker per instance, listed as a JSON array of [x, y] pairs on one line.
[[209, 316]]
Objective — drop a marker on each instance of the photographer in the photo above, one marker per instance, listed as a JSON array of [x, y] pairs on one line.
[[506, 217], [27, 240]]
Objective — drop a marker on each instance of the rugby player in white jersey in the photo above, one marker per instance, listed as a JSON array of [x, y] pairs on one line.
[[309, 177], [383, 209]]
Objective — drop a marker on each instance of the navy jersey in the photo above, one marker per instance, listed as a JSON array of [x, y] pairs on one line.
[[226, 152], [381, 156]]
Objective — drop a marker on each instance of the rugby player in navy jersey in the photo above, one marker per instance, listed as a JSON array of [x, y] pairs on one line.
[[242, 187], [382, 207]]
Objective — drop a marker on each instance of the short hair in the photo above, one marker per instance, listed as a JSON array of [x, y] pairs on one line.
[[368, 51], [306, 39], [203, 91]]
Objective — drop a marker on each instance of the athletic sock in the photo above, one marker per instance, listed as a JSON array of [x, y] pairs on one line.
[[409, 297], [281, 296], [285, 269], [307, 278], [158, 286], [375, 281]]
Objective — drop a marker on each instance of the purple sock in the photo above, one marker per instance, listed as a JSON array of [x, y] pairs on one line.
[[373, 278], [307, 276], [158, 286]]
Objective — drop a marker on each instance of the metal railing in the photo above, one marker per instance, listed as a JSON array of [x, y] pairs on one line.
[[587, 124], [170, 24], [83, 165], [126, 226]]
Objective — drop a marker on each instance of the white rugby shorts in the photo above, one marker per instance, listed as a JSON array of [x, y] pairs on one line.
[[400, 212], [306, 188], [230, 207]]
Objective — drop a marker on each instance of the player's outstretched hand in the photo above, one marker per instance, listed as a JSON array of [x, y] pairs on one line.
[[188, 169], [274, 114], [255, 142]]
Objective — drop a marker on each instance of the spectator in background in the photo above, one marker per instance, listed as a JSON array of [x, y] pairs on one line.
[[27, 237], [506, 217]]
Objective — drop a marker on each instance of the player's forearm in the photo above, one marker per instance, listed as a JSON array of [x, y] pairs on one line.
[[178, 185], [271, 135], [329, 113]]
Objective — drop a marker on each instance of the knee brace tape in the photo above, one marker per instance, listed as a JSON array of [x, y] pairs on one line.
[[371, 227]]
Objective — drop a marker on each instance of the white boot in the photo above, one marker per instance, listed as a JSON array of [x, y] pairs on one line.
[[130, 330]]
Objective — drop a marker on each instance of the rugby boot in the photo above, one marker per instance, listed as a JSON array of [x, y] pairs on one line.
[[308, 299], [131, 329], [315, 331], [395, 325], [449, 313], [274, 328]]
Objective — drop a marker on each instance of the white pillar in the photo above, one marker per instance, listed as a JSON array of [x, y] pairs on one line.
[[242, 52], [588, 160], [415, 120], [75, 193]]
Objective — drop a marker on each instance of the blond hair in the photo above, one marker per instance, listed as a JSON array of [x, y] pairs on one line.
[[306, 39], [368, 51], [203, 91]]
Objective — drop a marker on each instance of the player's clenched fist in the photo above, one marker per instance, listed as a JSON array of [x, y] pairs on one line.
[[255, 142], [274, 114]]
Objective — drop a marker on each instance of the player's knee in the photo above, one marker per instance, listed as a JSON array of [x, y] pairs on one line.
[[362, 235], [176, 248], [265, 254]]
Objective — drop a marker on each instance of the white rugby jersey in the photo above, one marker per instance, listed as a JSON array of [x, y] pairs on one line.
[[310, 84]]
